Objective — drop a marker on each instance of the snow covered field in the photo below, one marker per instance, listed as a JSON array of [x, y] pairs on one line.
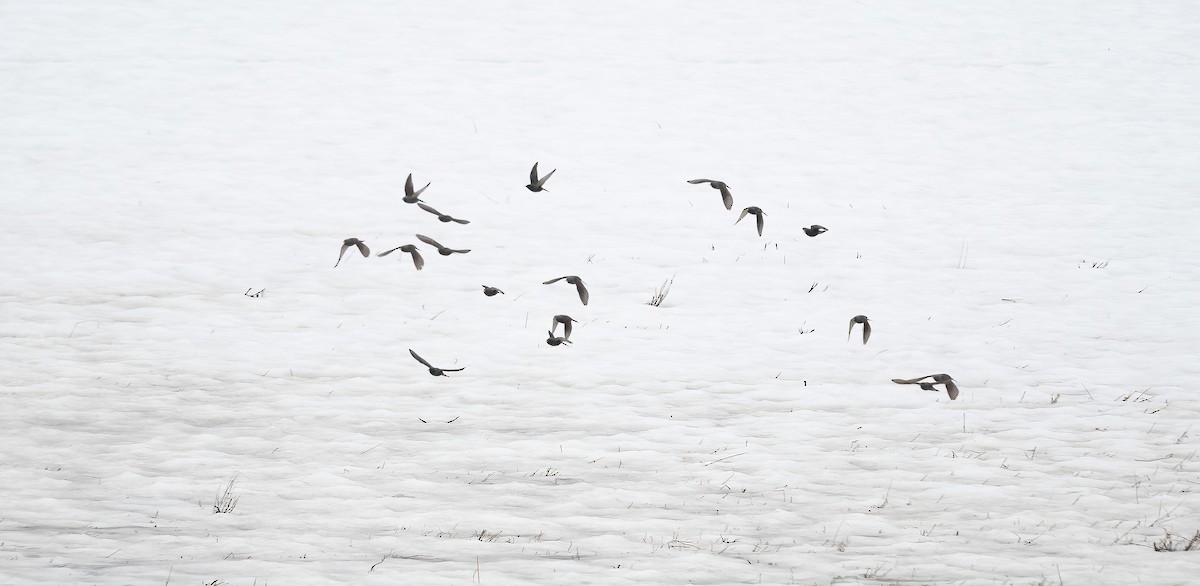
[[1010, 190]]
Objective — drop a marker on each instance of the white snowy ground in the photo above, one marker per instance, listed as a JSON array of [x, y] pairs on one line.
[[1011, 195]]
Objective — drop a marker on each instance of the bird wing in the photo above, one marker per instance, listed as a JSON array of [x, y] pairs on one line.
[[759, 217], [583, 292], [408, 187], [428, 240], [866, 331], [851, 330], [726, 197], [387, 252], [342, 252], [418, 261], [567, 328], [429, 209], [533, 175], [553, 281], [542, 181], [419, 359], [910, 381], [951, 389], [460, 221], [696, 181], [743, 215], [422, 190], [459, 251], [453, 369]]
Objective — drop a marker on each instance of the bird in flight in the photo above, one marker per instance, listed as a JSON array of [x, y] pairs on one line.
[[726, 197], [572, 279], [536, 184], [815, 230], [346, 244], [409, 248], [411, 196], [441, 216], [860, 319], [491, 291], [943, 379], [433, 370], [442, 250], [758, 215]]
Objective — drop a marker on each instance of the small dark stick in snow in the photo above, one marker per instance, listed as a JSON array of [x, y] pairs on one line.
[[758, 215], [536, 184], [726, 197], [411, 196], [555, 340], [860, 319], [346, 244], [572, 279], [815, 230], [433, 370], [441, 216], [442, 250], [943, 379], [409, 248], [491, 291], [565, 320]]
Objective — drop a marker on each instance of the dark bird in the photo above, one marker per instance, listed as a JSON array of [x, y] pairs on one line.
[[535, 184], [725, 195], [442, 250], [943, 379], [441, 216], [758, 215], [860, 319], [435, 371], [555, 340], [815, 230], [572, 279], [491, 291], [565, 320], [409, 248], [346, 244], [411, 196]]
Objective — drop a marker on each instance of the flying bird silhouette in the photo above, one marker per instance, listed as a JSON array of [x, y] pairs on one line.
[[411, 196], [860, 319], [726, 197], [943, 379], [556, 340], [346, 244], [491, 291], [815, 230], [536, 184], [441, 216], [565, 320], [442, 250], [418, 261], [758, 215], [435, 371], [572, 279]]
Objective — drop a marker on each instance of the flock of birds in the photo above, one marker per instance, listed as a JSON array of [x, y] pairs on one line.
[[537, 184]]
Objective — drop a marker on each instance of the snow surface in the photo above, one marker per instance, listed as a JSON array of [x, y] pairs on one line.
[[1010, 189]]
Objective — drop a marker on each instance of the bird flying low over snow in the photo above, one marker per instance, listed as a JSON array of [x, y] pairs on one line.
[[536, 184], [860, 319], [441, 216], [572, 279], [758, 215], [442, 250], [815, 230], [726, 197], [346, 244], [411, 196], [433, 370], [943, 379], [409, 248]]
